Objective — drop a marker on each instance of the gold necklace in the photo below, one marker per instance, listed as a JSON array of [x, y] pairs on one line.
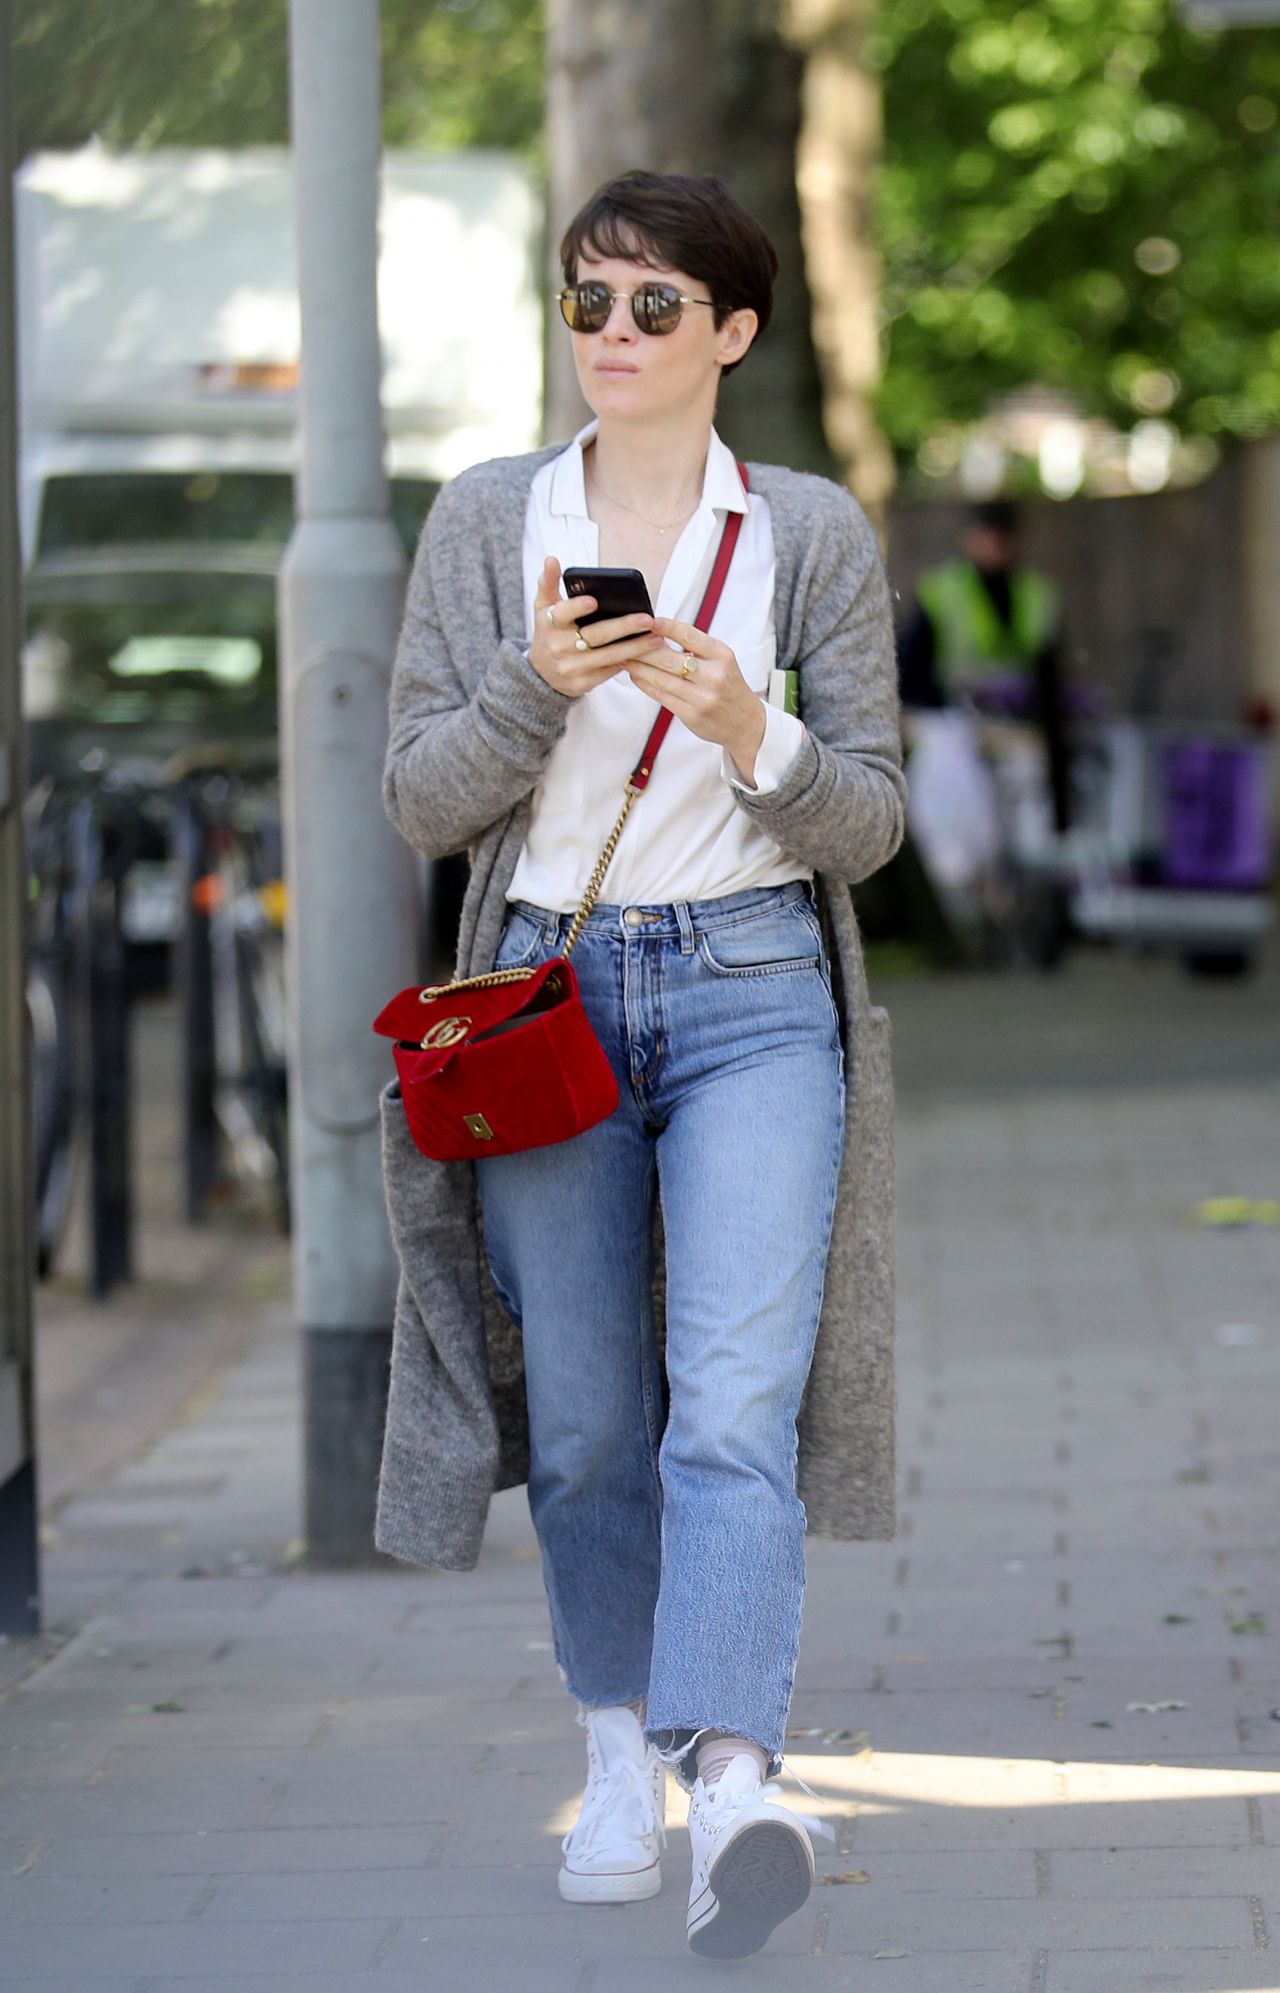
[[651, 523]]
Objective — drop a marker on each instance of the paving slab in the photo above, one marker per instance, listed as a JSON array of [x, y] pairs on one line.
[[932, 1923], [68, 1951], [1161, 1971]]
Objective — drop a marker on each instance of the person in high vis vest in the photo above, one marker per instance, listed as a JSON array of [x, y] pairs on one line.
[[985, 628]]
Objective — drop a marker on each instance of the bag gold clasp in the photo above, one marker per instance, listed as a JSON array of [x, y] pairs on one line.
[[449, 1031]]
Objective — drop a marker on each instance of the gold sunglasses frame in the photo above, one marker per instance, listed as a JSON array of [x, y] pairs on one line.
[[562, 298]]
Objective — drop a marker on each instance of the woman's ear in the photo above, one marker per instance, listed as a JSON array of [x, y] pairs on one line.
[[736, 336]]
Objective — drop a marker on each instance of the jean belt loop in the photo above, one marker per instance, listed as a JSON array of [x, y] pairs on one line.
[[688, 939]]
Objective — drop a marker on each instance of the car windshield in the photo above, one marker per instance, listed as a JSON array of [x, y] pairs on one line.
[[151, 603], [196, 507]]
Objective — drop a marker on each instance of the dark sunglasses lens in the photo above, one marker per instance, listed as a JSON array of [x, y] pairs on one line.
[[585, 307], [657, 308]]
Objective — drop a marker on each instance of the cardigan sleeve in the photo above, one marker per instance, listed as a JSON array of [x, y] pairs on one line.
[[458, 761], [841, 804]]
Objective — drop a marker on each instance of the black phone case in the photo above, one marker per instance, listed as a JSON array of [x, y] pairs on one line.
[[619, 591]]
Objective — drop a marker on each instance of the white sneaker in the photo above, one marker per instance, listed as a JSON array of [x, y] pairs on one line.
[[752, 1863], [614, 1853]]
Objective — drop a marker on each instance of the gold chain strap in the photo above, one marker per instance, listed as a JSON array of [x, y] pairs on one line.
[[594, 883], [496, 978], [492, 981]]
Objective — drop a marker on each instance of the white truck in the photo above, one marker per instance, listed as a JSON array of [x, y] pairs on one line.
[[158, 322]]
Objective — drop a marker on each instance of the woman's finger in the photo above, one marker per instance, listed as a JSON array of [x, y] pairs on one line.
[[621, 652], [569, 608], [548, 589], [614, 629], [668, 688], [689, 637], [663, 657]]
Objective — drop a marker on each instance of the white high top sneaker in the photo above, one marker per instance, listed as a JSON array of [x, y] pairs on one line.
[[752, 1863], [614, 1853]]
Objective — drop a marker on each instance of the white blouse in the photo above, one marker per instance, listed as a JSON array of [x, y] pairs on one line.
[[686, 839]]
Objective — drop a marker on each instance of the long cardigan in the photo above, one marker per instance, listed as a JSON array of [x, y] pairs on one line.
[[471, 728]]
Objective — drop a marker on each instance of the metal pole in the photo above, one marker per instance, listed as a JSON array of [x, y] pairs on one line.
[[351, 882], [19, 1557]]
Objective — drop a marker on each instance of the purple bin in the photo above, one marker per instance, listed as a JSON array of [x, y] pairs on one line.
[[1215, 816]]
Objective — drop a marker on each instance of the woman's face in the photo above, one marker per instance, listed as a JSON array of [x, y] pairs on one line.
[[632, 376]]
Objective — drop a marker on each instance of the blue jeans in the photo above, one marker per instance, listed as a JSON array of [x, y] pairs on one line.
[[673, 1541]]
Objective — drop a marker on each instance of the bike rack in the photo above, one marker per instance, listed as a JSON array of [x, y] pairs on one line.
[[101, 857], [193, 976]]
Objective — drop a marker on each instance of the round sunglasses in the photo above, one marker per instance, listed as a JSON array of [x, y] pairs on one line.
[[656, 308]]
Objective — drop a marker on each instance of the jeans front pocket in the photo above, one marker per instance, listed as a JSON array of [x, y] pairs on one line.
[[777, 941], [523, 943]]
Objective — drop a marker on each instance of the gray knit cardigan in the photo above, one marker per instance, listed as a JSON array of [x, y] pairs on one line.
[[472, 727]]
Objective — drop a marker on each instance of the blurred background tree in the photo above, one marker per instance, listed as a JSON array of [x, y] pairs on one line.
[[619, 96], [216, 72], [1084, 194]]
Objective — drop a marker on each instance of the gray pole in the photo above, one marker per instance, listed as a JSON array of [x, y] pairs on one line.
[[352, 883], [19, 1560]]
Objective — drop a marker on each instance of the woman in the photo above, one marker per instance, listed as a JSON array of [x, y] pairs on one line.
[[755, 1099]]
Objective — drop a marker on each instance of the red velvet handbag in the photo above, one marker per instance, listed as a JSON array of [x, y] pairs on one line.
[[508, 1061]]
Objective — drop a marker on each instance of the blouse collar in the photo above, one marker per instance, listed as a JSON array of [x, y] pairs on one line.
[[721, 485]]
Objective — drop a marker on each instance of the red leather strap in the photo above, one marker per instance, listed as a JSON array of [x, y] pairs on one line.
[[702, 621]]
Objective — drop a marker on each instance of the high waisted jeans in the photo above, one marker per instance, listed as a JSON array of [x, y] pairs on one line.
[[673, 1549]]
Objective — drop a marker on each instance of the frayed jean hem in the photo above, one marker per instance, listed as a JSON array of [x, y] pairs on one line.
[[678, 1750]]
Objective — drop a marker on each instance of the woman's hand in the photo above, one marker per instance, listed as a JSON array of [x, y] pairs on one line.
[[555, 654], [701, 684]]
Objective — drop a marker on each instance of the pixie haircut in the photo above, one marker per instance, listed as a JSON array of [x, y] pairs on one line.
[[672, 221]]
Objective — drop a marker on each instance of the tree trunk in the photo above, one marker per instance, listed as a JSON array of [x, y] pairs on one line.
[[619, 95], [627, 86], [836, 166], [772, 408]]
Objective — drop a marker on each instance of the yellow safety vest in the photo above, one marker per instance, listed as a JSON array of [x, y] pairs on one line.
[[970, 642]]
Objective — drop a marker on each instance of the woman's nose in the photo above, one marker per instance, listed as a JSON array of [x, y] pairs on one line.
[[620, 323]]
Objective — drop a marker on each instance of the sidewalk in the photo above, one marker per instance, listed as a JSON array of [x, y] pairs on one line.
[[1044, 1724]]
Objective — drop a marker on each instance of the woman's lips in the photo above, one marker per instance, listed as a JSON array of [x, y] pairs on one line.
[[615, 367]]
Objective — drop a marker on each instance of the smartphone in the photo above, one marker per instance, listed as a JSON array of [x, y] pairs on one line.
[[619, 591]]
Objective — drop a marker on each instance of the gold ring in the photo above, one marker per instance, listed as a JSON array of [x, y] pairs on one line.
[[580, 643]]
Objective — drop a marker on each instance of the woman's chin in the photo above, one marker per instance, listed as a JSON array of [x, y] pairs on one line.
[[620, 398], [613, 390]]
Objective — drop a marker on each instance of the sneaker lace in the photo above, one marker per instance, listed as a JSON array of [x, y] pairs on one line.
[[617, 1804], [733, 1802], [816, 1829]]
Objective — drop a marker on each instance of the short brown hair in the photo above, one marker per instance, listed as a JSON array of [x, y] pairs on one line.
[[676, 222]]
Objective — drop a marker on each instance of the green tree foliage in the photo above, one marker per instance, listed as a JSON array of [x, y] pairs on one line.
[[1084, 194], [215, 72]]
